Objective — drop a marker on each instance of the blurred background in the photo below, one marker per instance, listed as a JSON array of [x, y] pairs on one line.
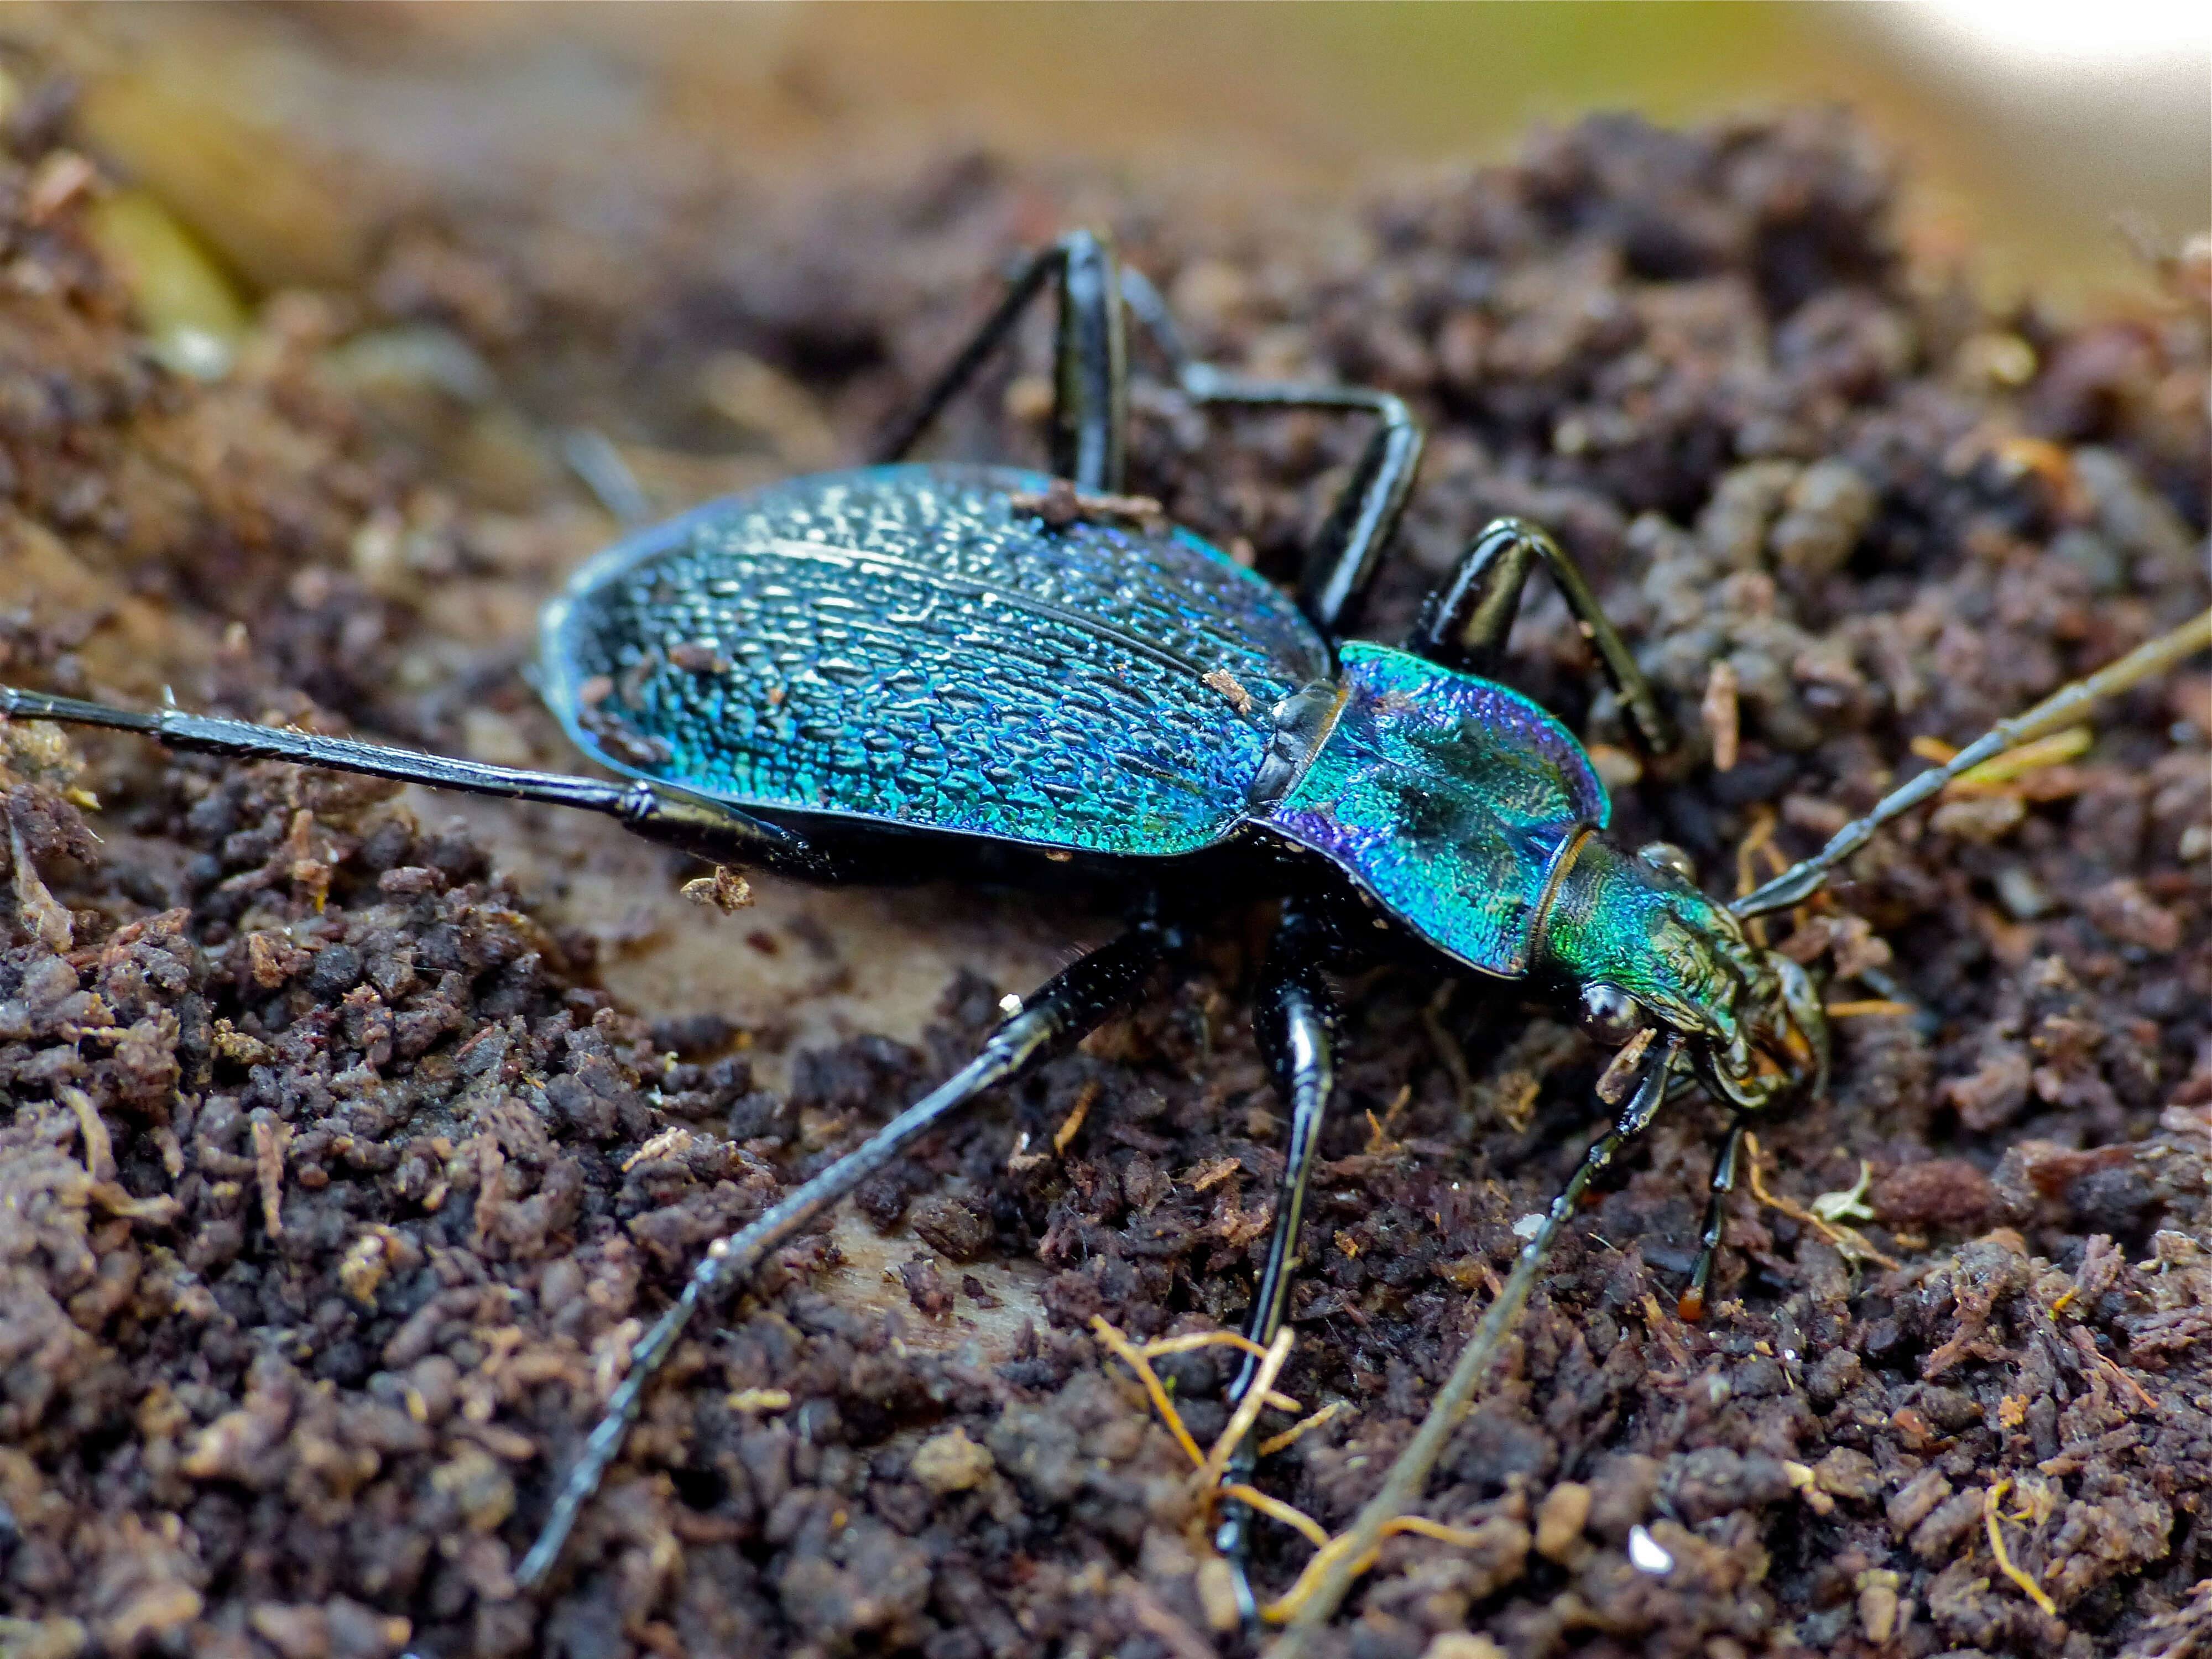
[[2040, 139]]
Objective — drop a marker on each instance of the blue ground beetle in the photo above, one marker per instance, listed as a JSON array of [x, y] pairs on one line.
[[1025, 676]]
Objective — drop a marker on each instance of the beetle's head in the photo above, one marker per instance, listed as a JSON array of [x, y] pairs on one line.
[[1642, 945]]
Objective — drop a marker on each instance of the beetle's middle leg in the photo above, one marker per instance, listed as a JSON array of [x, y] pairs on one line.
[[1466, 620], [1340, 565], [1297, 1022]]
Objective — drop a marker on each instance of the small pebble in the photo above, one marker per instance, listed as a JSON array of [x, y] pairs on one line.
[[1216, 1594], [1560, 1521], [1878, 1603], [950, 1463], [1646, 1554], [1462, 1644]]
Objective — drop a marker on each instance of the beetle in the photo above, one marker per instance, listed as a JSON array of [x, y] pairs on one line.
[[1030, 678]]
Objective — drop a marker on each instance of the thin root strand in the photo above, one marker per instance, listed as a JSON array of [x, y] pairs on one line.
[[1849, 1240], [1298, 1430], [1991, 1497], [1124, 1351], [1248, 1409]]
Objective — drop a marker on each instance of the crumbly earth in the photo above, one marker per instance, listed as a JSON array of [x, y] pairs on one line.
[[337, 1182]]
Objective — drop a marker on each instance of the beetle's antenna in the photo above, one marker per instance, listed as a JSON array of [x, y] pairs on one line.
[[2062, 707], [1348, 1554], [592, 456], [1146, 306]]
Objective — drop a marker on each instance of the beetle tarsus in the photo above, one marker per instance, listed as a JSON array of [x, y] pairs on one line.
[[1691, 1304]]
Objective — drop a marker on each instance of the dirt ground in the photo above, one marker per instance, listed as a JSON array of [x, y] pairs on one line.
[[352, 1138]]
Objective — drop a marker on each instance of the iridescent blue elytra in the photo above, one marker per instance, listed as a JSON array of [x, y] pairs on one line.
[[903, 645]]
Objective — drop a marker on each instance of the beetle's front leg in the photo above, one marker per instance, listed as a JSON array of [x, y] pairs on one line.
[[1297, 1024], [1466, 620], [1690, 1304]]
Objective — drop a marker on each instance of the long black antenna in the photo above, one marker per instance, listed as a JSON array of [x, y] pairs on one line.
[[2062, 707]]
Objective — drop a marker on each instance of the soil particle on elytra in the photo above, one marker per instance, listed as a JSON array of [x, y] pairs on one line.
[[336, 1191]]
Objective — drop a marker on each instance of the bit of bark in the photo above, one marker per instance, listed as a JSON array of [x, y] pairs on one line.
[[950, 1463], [1060, 504], [272, 1135], [1221, 680], [1720, 713], [41, 917], [725, 890], [1619, 1074]]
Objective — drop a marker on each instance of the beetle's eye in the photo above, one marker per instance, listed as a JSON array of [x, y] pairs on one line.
[[1610, 1014], [1665, 855]]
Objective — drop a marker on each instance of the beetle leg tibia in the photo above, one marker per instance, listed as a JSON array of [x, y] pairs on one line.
[[1296, 1021], [1069, 1006], [1090, 363], [1331, 1571], [1691, 1304], [1465, 622], [1341, 564], [657, 811]]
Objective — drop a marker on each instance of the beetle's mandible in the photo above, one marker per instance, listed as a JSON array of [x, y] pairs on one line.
[[1019, 676]]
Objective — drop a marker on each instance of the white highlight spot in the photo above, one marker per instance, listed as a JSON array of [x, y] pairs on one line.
[[1009, 1005], [1529, 1224], [2059, 35], [1645, 1555]]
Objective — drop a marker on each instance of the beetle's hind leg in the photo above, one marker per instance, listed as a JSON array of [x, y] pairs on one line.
[[1090, 363], [1296, 1021], [1466, 620], [1069, 1006], [1091, 411], [657, 811], [1340, 566]]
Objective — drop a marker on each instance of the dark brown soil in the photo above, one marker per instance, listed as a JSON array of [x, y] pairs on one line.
[[335, 1183]]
